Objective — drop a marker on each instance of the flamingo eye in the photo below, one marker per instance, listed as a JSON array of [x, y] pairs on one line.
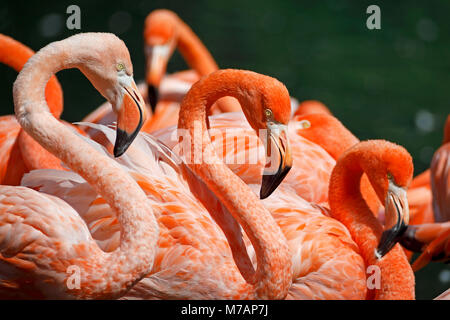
[[390, 176], [268, 114], [304, 124], [120, 67]]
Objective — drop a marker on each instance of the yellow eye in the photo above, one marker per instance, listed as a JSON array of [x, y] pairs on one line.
[[268, 113], [389, 176], [304, 124], [120, 67]]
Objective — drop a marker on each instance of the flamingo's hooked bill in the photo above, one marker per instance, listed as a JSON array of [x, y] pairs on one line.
[[397, 218], [278, 150], [153, 95], [130, 119]]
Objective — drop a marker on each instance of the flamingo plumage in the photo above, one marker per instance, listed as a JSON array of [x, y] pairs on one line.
[[317, 243], [41, 235]]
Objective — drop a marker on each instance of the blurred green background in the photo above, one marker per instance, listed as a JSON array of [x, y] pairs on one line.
[[390, 83]]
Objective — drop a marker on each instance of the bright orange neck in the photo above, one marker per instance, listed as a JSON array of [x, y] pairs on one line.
[[348, 206], [274, 273], [194, 51]]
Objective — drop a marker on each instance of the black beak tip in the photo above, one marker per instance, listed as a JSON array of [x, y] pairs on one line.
[[271, 182], [263, 194], [389, 238], [123, 141], [153, 96]]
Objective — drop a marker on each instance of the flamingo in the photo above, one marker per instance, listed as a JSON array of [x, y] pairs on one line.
[[41, 235], [194, 259], [18, 152]]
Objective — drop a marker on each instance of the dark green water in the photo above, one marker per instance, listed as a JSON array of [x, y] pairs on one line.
[[390, 83]]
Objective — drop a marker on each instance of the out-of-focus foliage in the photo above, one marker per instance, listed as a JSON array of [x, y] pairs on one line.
[[390, 83]]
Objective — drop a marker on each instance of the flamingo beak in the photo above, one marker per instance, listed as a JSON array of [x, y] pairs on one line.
[[279, 158], [157, 57], [397, 219], [130, 118]]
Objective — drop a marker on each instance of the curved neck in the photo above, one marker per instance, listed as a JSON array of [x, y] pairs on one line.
[[200, 59], [139, 231], [348, 206], [273, 275], [15, 55], [194, 51]]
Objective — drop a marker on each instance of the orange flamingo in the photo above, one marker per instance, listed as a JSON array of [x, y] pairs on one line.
[[326, 261], [389, 168], [41, 236], [19, 153]]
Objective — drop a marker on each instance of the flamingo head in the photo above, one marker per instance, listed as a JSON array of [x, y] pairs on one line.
[[389, 168], [111, 72], [160, 38], [268, 112]]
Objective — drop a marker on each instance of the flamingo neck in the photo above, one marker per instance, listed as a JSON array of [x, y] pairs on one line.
[[273, 276], [194, 51], [348, 206], [103, 274], [200, 59], [15, 55]]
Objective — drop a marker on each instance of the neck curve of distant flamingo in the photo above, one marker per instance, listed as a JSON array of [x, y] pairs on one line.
[[376, 159], [102, 275], [163, 31], [27, 154], [273, 275]]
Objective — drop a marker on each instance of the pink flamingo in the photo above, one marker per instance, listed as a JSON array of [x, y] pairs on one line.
[[41, 235]]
